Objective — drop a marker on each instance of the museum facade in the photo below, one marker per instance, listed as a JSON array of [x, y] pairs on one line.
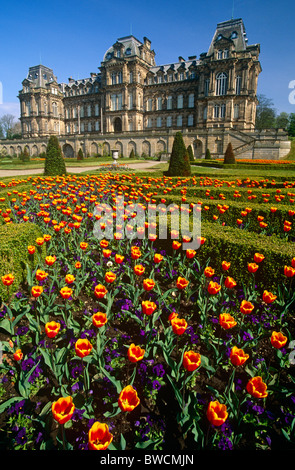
[[132, 103]]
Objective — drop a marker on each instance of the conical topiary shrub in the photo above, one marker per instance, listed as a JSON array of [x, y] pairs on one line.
[[190, 153], [54, 162], [179, 164], [229, 156], [80, 155], [208, 155]]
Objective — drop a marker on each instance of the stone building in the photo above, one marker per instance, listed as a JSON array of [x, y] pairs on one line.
[[132, 103]]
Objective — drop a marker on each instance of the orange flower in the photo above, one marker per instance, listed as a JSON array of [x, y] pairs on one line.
[[70, 278], [83, 347], [268, 297], [176, 245], [36, 291], [158, 258], [258, 257], [104, 243], [252, 267], [83, 245], [135, 252], [190, 254], [7, 279], [78, 265], [181, 282], [226, 321], [293, 262], [229, 282], [191, 360], [139, 269], [99, 436], [289, 271], [110, 277], [148, 307], [63, 409], [278, 340], [50, 260], [128, 399], [99, 319], [41, 275], [246, 307], [213, 288], [40, 241], [65, 292], [18, 355], [225, 265], [257, 388], [100, 291], [31, 249], [119, 258], [135, 353], [216, 413], [209, 272], [106, 253], [52, 328], [179, 325], [148, 284], [238, 356]]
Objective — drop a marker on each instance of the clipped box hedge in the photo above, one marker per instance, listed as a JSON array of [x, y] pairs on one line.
[[14, 255]]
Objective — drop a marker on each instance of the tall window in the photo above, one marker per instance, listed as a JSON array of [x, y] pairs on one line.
[[219, 54], [190, 120], [236, 111], [96, 110], [120, 77], [116, 102], [130, 77], [222, 110], [191, 100], [169, 102], [159, 122], [205, 113], [179, 121], [149, 104], [114, 78], [97, 125], [225, 54], [149, 122], [89, 110], [130, 101], [216, 110], [221, 84], [238, 85], [159, 103], [82, 111], [169, 121], [180, 101]]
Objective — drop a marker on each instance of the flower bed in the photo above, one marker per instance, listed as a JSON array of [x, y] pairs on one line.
[[135, 343]]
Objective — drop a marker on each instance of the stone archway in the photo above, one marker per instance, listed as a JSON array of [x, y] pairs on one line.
[[117, 124], [68, 151], [146, 148], [198, 148], [93, 149]]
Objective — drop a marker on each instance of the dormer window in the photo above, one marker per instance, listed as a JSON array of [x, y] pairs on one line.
[[219, 54], [234, 35], [108, 56], [225, 54], [219, 37], [118, 54], [128, 51]]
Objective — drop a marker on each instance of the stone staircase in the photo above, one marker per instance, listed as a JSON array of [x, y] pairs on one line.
[[248, 142]]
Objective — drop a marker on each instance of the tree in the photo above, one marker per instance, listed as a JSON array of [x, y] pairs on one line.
[[80, 155], [207, 154], [291, 127], [54, 161], [132, 154], [7, 122], [282, 120], [190, 153], [229, 156], [179, 164], [265, 113]]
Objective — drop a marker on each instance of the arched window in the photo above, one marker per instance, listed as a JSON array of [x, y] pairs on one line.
[[169, 102], [238, 85], [180, 101], [221, 84]]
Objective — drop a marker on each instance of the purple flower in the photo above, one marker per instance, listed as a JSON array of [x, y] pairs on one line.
[[21, 437]]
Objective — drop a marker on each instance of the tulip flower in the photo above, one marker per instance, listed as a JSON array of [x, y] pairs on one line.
[[278, 340], [213, 288], [70, 279], [246, 307], [119, 259], [148, 307], [191, 360], [229, 282], [158, 258], [78, 265], [182, 283], [238, 356], [36, 291], [268, 297], [63, 409], [41, 275], [226, 321], [139, 269], [83, 347], [18, 355], [148, 284], [99, 319], [289, 271], [7, 279], [51, 329], [106, 253], [110, 277], [83, 245], [209, 272], [179, 325], [50, 260], [99, 436], [135, 353], [176, 245], [65, 292], [258, 257], [252, 267], [190, 254], [217, 413], [135, 252], [100, 291], [128, 399], [257, 388], [31, 249], [225, 265]]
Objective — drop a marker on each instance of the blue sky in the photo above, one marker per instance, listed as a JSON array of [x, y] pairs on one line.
[[71, 37]]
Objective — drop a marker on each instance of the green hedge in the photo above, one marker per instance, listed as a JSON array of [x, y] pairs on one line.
[[15, 239]]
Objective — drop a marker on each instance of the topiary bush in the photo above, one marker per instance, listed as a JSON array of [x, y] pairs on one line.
[[54, 161], [190, 153], [229, 156], [179, 164], [208, 154], [80, 155]]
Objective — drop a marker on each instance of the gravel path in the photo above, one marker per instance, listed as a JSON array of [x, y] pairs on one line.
[[146, 165]]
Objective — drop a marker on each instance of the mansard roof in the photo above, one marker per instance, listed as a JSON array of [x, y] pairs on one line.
[[232, 30]]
